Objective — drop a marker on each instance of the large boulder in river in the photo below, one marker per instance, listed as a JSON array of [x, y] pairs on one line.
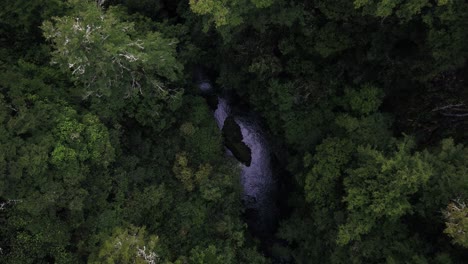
[[233, 140]]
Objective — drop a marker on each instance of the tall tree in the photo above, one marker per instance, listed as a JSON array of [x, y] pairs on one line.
[[106, 55]]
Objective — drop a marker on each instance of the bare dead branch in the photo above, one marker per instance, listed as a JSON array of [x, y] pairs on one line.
[[455, 115], [447, 107]]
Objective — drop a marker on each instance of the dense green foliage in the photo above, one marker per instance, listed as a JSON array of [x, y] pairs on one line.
[[110, 154]]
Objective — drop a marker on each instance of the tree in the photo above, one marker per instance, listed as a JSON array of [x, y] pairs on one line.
[[106, 55], [456, 216], [379, 188], [51, 155], [129, 245]]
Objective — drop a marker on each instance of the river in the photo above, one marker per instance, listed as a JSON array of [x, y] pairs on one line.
[[257, 179]]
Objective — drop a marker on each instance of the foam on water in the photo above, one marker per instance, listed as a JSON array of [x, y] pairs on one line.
[[256, 179], [222, 112]]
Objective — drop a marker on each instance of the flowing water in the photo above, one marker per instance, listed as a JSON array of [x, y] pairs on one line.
[[223, 110], [257, 179]]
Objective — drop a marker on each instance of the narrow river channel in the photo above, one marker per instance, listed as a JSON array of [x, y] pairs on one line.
[[256, 178]]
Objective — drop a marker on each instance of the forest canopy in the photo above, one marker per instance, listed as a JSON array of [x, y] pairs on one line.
[[110, 150]]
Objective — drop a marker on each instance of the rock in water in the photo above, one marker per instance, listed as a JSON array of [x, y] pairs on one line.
[[233, 140]]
